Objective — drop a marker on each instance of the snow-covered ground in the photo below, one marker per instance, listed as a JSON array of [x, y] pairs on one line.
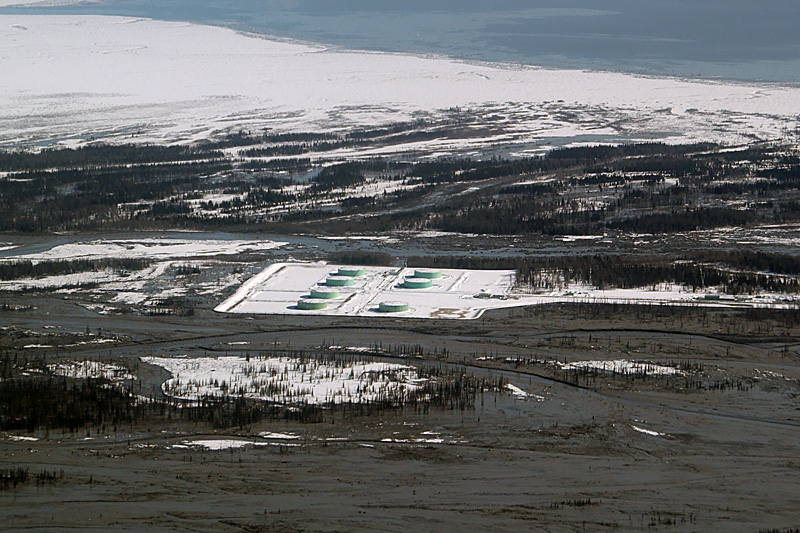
[[227, 444], [148, 248], [621, 366], [286, 380], [521, 394], [647, 431], [153, 283], [75, 78], [92, 369]]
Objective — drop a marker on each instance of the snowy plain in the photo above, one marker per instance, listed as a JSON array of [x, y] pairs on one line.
[[121, 79]]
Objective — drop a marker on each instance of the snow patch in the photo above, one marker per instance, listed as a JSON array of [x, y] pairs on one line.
[[648, 431], [278, 436], [21, 438], [215, 444], [622, 366], [521, 394], [151, 248], [285, 380]]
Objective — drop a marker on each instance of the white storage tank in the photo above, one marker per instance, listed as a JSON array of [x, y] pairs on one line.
[[392, 307]]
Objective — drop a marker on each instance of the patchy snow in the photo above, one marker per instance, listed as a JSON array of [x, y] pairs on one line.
[[648, 431], [79, 77], [278, 436], [93, 341], [576, 238], [521, 394], [91, 369], [154, 283], [149, 248], [129, 297], [384, 238], [21, 438], [123, 287], [425, 440], [215, 444], [433, 234], [354, 349], [622, 366], [285, 380]]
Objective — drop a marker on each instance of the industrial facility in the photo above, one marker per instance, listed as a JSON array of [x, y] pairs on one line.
[[319, 288]]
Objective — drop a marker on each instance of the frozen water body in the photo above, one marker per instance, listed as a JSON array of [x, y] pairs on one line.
[[76, 78]]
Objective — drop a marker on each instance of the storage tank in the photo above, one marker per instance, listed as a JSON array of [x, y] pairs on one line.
[[427, 273], [417, 283], [339, 281], [324, 293], [311, 304], [352, 272], [392, 307]]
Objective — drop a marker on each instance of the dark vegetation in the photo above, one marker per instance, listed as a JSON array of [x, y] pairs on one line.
[[648, 188], [730, 270], [145, 186], [28, 269], [33, 399], [11, 477], [584, 190], [359, 257]]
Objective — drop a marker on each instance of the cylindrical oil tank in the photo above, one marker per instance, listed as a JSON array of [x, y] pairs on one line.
[[427, 274], [325, 293], [417, 283], [352, 272], [339, 281], [392, 307], [312, 304]]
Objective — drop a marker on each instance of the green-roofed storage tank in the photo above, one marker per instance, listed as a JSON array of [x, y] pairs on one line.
[[417, 283], [325, 293], [339, 281], [352, 272], [392, 307], [311, 304], [427, 274]]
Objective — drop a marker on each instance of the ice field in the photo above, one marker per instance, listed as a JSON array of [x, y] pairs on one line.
[[78, 78]]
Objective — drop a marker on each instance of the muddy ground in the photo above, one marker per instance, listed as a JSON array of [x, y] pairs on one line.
[[717, 448]]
